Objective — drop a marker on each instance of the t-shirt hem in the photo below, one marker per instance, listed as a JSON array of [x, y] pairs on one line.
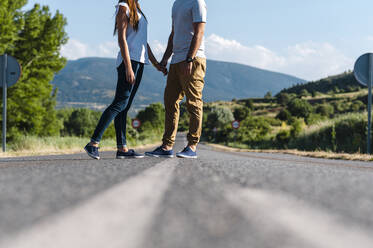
[[179, 61], [199, 21]]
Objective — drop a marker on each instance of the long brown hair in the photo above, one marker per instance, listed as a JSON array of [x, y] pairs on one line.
[[134, 7]]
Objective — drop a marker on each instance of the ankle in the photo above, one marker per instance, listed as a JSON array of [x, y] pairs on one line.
[[94, 144], [193, 147], [123, 149], [167, 148]]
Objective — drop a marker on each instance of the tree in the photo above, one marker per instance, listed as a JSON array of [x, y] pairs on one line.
[[253, 129], [283, 138], [34, 37], [81, 122], [11, 21], [184, 118], [284, 115], [325, 110], [283, 98], [154, 115], [241, 113], [249, 104], [268, 95], [219, 117], [357, 106], [300, 108], [296, 128], [304, 93]]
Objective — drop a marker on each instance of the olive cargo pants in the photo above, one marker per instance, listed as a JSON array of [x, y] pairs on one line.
[[178, 86]]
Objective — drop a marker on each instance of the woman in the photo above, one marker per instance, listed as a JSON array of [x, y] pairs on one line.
[[131, 26]]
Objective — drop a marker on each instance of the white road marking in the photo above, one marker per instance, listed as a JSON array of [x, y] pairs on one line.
[[119, 217], [312, 226]]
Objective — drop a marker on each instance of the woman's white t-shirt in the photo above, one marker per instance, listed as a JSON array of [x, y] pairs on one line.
[[137, 40]]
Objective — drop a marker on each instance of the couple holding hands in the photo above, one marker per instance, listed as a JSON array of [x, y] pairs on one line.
[[185, 76]]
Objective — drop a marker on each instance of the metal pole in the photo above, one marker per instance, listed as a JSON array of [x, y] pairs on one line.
[[370, 102], [5, 84]]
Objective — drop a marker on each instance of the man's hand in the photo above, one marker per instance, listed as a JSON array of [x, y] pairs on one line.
[[163, 63], [187, 68], [162, 69]]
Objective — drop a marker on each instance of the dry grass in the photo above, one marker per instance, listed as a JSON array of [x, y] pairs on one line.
[[34, 146], [352, 94], [330, 122], [316, 154]]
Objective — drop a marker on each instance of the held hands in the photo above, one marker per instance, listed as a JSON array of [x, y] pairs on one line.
[[162, 67]]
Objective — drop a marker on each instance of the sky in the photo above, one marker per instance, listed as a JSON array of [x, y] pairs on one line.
[[310, 39]]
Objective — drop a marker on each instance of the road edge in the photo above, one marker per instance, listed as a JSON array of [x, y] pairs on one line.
[[319, 154]]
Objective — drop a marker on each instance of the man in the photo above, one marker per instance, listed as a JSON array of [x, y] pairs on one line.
[[186, 75]]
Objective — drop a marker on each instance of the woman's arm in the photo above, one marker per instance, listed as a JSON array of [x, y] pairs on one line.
[[154, 61], [122, 24], [152, 58], [169, 49]]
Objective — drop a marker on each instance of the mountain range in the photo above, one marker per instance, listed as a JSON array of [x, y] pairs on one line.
[[91, 82]]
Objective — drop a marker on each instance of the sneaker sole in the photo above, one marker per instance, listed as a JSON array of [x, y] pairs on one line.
[[184, 156], [128, 157], [94, 157], [159, 156]]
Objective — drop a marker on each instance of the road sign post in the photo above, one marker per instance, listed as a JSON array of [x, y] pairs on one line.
[[5, 86], [10, 72], [363, 72], [235, 125], [369, 149], [215, 130]]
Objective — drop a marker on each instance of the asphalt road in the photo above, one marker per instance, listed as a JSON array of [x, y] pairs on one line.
[[221, 200]]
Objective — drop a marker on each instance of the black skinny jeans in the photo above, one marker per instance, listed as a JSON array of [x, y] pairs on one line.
[[124, 96]]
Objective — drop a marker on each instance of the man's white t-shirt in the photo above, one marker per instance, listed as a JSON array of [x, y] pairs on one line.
[[184, 14], [137, 40]]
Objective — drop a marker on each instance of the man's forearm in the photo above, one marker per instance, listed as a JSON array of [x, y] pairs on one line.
[[195, 45], [199, 32]]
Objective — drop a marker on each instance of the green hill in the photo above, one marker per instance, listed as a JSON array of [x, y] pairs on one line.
[[90, 82], [344, 82]]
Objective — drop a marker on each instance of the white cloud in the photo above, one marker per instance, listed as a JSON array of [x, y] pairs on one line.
[[230, 50], [108, 49], [313, 60], [158, 48], [308, 60], [75, 49]]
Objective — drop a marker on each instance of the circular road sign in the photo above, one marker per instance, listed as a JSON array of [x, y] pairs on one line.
[[13, 72], [236, 124], [362, 68], [136, 123]]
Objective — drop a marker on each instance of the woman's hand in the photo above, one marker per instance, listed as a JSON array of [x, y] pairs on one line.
[[130, 76]]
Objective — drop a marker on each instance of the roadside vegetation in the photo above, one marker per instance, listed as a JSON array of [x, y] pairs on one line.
[[333, 119], [77, 125]]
